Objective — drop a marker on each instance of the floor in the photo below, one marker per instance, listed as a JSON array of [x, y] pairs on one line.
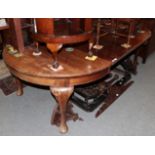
[[132, 114]]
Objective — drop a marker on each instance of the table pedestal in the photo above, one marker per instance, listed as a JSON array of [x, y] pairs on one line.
[[19, 91]]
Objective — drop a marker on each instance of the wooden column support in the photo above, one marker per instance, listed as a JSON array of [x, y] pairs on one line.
[[62, 95], [16, 32], [19, 87]]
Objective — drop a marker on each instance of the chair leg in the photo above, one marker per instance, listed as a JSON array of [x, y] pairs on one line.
[[19, 87]]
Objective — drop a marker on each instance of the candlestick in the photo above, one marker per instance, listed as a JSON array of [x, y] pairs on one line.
[[35, 26], [97, 45], [37, 52]]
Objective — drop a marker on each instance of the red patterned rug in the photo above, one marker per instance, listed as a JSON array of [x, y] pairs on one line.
[[8, 85]]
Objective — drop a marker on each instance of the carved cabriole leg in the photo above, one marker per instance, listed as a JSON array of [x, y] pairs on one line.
[[19, 91], [62, 95]]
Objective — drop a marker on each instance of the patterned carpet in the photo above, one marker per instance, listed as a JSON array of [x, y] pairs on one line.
[[8, 85], [4, 72], [7, 82]]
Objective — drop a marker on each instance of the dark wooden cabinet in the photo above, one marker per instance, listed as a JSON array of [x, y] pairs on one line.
[[8, 33], [2, 29], [148, 23], [27, 28]]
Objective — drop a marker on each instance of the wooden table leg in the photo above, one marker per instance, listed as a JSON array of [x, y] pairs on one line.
[[19, 91], [62, 95], [135, 60], [144, 52]]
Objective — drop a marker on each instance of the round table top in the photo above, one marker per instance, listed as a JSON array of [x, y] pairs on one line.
[[61, 31], [76, 69]]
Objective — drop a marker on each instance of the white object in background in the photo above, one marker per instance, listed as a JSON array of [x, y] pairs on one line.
[[3, 22], [35, 26]]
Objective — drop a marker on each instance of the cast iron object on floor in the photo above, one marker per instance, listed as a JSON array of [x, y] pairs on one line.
[[115, 92], [89, 97], [90, 104]]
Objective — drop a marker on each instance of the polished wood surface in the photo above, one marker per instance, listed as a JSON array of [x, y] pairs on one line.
[[74, 64], [4, 27], [113, 51], [148, 23], [66, 32], [62, 96], [61, 31], [76, 69], [19, 87], [17, 31], [45, 26]]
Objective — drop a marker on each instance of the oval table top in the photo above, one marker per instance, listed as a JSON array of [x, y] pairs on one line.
[[76, 69]]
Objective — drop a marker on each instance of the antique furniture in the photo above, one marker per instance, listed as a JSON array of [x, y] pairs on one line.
[[109, 88], [117, 55], [61, 83], [76, 69], [98, 35], [125, 23], [149, 48], [56, 33], [127, 27], [12, 31]]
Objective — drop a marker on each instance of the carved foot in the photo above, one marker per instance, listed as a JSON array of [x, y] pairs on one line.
[[63, 128]]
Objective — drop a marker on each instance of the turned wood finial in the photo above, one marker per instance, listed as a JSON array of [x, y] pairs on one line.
[[54, 47]]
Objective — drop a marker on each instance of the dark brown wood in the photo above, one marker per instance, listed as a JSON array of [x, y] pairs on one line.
[[45, 26], [63, 39], [76, 24], [27, 28], [145, 51], [76, 69], [62, 82], [4, 27], [48, 33], [16, 33], [113, 51], [53, 33], [88, 24], [131, 22], [54, 48], [149, 48], [40, 72], [115, 92]]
